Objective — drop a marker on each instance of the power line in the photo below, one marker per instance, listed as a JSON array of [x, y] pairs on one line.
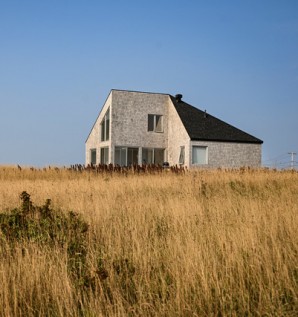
[[282, 161], [278, 158]]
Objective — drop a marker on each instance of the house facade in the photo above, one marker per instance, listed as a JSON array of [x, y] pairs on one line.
[[153, 128]]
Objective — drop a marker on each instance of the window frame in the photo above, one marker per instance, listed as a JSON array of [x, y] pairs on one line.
[[104, 155], [122, 151], [92, 152], [153, 121], [105, 127], [153, 155], [205, 157], [128, 151], [182, 155]]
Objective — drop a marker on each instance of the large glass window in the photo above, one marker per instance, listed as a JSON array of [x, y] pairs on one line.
[[147, 156], [158, 156], [199, 155], [126, 156], [153, 156], [93, 156], [120, 155], [132, 156], [155, 123], [105, 127], [104, 155]]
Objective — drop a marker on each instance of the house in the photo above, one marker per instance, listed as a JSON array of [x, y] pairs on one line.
[[153, 128]]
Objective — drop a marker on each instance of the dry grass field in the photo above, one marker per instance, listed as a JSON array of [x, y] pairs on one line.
[[203, 243]]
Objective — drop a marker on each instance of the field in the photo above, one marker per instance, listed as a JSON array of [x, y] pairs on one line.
[[201, 243]]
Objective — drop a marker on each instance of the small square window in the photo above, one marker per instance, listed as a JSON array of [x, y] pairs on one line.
[[155, 123], [199, 155]]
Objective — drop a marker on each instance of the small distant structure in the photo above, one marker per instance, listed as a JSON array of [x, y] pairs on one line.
[[293, 154], [139, 128]]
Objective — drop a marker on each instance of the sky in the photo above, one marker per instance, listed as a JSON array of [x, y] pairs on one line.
[[59, 59]]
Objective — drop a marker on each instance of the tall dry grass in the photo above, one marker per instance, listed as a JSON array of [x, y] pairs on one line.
[[206, 243]]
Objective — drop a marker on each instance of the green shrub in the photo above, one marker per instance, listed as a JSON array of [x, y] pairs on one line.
[[48, 227]]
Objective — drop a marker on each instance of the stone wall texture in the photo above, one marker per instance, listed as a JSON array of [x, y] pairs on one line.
[[230, 154], [130, 120]]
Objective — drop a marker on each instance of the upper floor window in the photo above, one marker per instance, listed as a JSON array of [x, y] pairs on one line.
[[105, 126], [155, 122]]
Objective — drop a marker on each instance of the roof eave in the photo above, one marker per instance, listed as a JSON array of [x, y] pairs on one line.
[[227, 141]]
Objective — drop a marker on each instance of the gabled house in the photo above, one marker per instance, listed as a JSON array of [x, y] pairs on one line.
[[153, 128]]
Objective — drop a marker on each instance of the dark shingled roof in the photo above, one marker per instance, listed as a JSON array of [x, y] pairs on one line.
[[201, 126]]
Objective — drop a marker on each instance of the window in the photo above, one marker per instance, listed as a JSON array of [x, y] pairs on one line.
[[155, 123], [120, 156], [93, 156], [147, 156], [158, 156], [104, 155], [132, 156], [182, 155], [105, 127], [153, 156], [125, 156], [199, 155]]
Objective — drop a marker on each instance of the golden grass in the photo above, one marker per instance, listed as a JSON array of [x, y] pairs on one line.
[[205, 243]]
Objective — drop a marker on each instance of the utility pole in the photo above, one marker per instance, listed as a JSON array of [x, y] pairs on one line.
[[292, 159]]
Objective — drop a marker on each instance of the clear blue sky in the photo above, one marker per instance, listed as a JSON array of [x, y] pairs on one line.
[[59, 59]]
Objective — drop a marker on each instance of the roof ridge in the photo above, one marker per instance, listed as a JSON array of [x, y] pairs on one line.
[[141, 92]]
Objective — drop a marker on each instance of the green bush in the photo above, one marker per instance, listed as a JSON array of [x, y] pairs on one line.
[[47, 227]]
